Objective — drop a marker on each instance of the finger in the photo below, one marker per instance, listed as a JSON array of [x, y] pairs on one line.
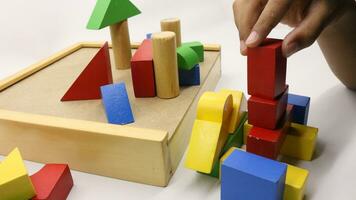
[[246, 13], [305, 34], [269, 18]]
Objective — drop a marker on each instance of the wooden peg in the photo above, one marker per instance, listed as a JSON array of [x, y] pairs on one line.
[[172, 24], [165, 64], [121, 44]]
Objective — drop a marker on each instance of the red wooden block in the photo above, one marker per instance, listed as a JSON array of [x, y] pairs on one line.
[[96, 74], [52, 182], [142, 71], [266, 142], [266, 73], [267, 113]]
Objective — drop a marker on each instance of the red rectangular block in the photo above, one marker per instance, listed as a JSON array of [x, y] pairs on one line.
[[142, 72], [266, 69], [265, 113], [266, 142]]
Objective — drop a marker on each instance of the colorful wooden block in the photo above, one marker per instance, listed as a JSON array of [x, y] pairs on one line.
[[209, 132], [96, 74], [296, 180], [266, 73], [15, 184], [189, 77], [266, 113], [240, 107], [300, 108], [149, 36], [117, 104], [52, 182], [300, 142], [187, 58], [108, 12], [252, 177], [267, 142], [198, 47], [142, 71], [247, 129]]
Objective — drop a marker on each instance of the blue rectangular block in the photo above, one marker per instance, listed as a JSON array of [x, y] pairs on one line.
[[189, 77], [148, 35], [251, 177], [117, 104], [300, 110]]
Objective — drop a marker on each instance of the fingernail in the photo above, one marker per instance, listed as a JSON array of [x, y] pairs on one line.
[[252, 38], [243, 47], [291, 49]]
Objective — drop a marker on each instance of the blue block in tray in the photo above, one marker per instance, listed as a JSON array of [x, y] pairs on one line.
[[189, 77], [251, 177], [148, 35], [117, 104], [300, 110]]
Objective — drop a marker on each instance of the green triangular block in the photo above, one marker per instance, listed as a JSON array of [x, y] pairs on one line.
[[109, 12]]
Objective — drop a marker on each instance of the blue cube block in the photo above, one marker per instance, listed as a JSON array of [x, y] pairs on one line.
[[189, 77], [148, 35], [251, 177], [117, 104], [300, 110]]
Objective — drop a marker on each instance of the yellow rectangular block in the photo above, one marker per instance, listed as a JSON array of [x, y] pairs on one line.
[[296, 180], [247, 128], [15, 183], [300, 142]]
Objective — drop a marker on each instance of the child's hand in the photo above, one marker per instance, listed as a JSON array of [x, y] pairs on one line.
[[256, 18]]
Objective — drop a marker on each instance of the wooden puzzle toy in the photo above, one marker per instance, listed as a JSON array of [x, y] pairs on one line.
[[187, 58], [266, 70], [165, 64], [52, 182], [197, 47], [300, 142], [301, 108], [267, 142], [296, 180], [189, 77], [15, 184], [114, 13], [96, 74], [239, 108], [117, 104], [251, 177], [266, 113], [173, 25], [209, 132], [142, 71]]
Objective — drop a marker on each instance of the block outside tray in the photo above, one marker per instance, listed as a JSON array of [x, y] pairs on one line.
[[136, 153]]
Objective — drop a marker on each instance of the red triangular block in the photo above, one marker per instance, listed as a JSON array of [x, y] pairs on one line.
[[96, 74], [52, 182]]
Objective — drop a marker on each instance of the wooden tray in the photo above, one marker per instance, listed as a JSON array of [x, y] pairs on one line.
[[46, 130]]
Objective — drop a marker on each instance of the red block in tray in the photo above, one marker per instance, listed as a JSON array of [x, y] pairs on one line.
[[266, 113], [143, 78], [266, 142], [266, 71], [52, 182]]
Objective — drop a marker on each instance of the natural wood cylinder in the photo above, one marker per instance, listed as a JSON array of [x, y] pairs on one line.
[[121, 44], [172, 24], [165, 64]]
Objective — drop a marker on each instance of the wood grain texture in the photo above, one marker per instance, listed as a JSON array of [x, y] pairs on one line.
[[120, 38], [173, 25]]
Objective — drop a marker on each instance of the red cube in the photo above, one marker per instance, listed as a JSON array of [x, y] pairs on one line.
[[266, 113], [266, 69]]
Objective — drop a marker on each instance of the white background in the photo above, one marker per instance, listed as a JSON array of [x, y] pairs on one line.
[[33, 30]]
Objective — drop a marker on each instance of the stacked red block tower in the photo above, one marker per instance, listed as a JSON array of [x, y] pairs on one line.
[[267, 107]]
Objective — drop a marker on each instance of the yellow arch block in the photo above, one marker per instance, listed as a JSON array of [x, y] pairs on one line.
[[239, 108], [209, 132], [296, 180], [300, 142], [15, 183]]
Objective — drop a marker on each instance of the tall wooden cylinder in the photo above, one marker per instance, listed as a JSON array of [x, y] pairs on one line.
[[172, 24], [165, 64], [121, 44]]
